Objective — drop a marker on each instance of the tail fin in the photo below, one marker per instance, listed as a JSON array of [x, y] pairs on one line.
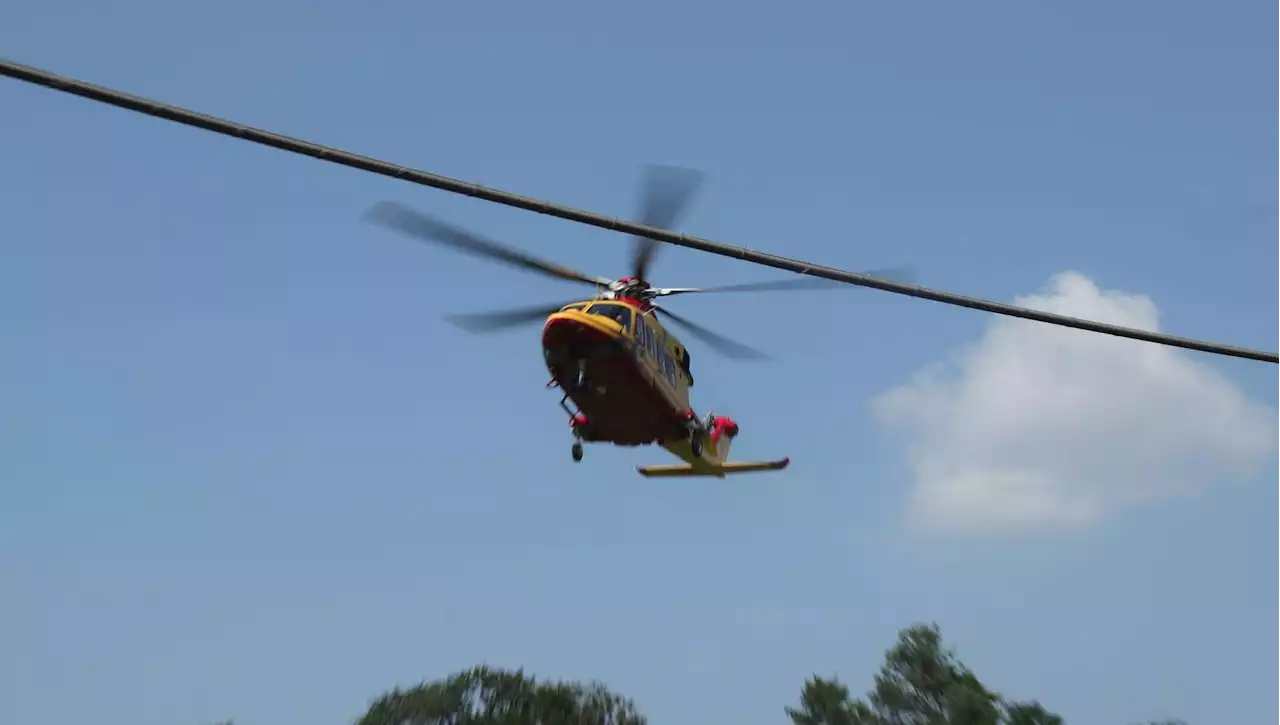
[[723, 431]]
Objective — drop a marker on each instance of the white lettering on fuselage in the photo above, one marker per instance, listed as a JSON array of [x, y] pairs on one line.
[[650, 342]]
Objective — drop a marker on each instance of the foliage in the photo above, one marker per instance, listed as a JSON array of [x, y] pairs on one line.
[[486, 696], [920, 683]]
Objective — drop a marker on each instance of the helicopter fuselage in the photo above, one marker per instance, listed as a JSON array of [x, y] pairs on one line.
[[628, 377]]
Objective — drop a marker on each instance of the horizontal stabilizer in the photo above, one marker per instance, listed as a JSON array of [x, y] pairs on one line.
[[719, 471]]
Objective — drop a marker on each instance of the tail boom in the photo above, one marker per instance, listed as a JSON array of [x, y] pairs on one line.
[[713, 461]]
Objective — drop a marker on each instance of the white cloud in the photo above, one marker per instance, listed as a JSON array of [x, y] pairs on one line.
[[1037, 427]]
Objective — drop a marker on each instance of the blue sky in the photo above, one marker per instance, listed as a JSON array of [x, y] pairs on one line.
[[246, 470]]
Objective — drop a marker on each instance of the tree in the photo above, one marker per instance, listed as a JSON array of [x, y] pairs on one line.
[[826, 702], [486, 696], [920, 683], [1030, 714]]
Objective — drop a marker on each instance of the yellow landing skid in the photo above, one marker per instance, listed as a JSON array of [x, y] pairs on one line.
[[719, 470]]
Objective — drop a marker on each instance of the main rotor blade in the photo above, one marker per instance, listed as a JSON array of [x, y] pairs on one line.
[[401, 218], [718, 342], [667, 192], [904, 274], [328, 154], [502, 319]]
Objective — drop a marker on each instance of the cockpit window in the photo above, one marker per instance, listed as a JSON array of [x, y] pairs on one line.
[[619, 313], [574, 306]]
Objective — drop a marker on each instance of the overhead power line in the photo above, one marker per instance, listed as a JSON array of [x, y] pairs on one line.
[[364, 163]]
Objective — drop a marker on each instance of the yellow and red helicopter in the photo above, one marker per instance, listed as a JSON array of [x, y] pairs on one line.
[[625, 375]]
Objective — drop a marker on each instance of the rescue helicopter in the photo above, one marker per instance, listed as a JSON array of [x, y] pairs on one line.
[[624, 376]]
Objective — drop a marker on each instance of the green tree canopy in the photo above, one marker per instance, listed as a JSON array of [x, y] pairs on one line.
[[487, 696], [920, 683]]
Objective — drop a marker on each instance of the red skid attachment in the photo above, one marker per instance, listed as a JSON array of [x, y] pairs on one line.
[[578, 421]]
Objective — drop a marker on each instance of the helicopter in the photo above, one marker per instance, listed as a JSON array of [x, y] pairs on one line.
[[624, 376]]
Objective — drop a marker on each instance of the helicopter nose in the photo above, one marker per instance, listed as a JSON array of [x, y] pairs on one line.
[[573, 327]]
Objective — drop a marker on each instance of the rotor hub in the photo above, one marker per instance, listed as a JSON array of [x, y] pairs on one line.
[[633, 288]]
